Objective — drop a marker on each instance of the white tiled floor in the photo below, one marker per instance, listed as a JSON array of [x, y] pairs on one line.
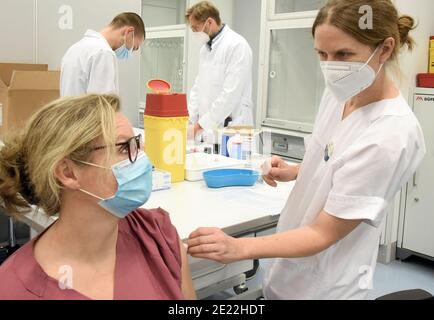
[[414, 273]]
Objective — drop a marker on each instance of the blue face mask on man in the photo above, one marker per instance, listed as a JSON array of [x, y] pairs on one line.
[[134, 186], [123, 53]]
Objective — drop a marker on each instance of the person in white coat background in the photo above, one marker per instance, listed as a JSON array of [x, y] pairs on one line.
[[222, 92], [366, 144], [91, 66]]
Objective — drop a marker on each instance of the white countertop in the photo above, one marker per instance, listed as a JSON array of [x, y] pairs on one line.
[[192, 204]]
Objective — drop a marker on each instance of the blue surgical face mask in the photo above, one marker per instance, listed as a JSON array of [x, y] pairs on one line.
[[134, 186], [123, 53]]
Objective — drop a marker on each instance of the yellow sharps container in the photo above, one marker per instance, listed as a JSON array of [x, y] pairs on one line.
[[165, 123], [431, 55]]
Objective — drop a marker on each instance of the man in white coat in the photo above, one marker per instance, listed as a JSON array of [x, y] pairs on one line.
[[90, 65], [222, 93]]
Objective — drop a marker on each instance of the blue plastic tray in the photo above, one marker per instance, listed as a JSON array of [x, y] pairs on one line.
[[230, 177]]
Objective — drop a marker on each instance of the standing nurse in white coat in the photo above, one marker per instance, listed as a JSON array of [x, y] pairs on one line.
[[222, 93], [366, 144], [91, 65]]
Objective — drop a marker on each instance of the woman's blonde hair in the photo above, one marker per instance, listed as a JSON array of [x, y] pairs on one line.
[[65, 128], [345, 15]]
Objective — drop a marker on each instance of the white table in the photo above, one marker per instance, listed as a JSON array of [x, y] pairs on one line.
[[192, 205]]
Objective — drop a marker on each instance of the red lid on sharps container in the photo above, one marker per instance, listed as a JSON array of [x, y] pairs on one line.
[[159, 86], [162, 103]]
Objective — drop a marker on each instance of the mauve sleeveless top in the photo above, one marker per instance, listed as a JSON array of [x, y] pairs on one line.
[[148, 264]]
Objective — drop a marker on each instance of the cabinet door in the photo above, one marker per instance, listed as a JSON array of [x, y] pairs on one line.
[[288, 6], [17, 35], [295, 81], [163, 58], [419, 215], [160, 13]]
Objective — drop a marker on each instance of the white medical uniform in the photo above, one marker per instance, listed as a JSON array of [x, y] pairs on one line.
[[376, 150], [223, 87], [89, 66]]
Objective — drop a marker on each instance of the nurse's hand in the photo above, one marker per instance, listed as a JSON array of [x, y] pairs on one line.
[[279, 171], [214, 244]]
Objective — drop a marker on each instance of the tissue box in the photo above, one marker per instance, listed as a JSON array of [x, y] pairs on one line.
[[161, 180]]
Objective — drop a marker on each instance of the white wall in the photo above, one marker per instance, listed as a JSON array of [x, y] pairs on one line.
[[415, 62], [30, 33], [17, 32], [249, 26]]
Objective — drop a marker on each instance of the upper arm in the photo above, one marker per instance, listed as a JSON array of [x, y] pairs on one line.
[[186, 281], [240, 61], [371, 172], [331, 229], [103, 73]]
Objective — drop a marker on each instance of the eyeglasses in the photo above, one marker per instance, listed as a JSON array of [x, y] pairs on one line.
[[132, 146]]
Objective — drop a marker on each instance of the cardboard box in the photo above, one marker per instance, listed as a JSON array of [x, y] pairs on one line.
[[25, 89]]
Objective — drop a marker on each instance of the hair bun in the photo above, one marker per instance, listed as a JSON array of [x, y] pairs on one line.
[[27, 188], [405, 25]]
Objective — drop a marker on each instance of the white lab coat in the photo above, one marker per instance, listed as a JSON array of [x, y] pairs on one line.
[[376, 151], [89, 66], [223, 86]]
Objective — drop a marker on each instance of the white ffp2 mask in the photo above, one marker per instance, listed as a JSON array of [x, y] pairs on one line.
[[347, 79], [202, 37]]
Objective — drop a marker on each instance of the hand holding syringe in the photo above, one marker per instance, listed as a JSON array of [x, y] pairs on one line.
[[276, 170]]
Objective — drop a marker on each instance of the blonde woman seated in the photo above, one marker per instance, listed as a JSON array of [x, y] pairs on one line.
[[78, 157]]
